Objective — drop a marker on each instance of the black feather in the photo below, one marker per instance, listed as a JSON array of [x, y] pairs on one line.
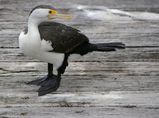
[[64, 39]]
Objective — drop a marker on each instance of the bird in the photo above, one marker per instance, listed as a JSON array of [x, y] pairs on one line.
[[53, 43]]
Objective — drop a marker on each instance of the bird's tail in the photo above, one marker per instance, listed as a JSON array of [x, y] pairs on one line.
[[107, 46]]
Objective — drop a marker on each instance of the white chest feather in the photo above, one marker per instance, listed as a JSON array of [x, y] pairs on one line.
[[46, 45], [30, 45], [39, 49]]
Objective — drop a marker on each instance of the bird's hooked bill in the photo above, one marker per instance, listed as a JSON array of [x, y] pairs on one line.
[[54, 14]]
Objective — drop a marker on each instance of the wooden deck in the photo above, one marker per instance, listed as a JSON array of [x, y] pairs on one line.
[[121, 84]]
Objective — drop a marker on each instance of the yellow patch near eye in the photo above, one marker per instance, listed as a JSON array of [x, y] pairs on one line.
[[52, 12]]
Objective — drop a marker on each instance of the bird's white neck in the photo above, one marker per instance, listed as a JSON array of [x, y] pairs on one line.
[[33, 30], [33, 37]]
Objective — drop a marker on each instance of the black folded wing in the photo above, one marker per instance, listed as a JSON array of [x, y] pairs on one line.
[[64, 39]]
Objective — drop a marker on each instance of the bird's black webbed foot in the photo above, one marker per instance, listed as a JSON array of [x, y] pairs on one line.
[[52, 84], [39, 81]]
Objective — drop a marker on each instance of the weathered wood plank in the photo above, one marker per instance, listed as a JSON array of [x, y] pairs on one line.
[[122, 84], [116, 104], [140, 5], [85, 68], [85, 83], [84, 99], [78, 112], [126, 55]]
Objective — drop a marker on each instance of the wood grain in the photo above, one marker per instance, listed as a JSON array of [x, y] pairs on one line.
[[121, 84]]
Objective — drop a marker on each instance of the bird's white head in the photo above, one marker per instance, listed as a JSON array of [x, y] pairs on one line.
[[43, 13]]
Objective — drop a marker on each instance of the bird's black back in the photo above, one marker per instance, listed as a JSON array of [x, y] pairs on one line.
[[64, 39]]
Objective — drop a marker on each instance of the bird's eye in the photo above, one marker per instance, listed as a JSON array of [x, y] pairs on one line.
[[50, 12]]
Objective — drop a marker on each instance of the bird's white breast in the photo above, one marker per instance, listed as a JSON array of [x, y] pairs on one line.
[[32, 46], [46, 45], [39, 49], [29, 46]]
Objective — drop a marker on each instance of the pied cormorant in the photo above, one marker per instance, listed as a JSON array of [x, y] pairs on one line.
[[53, 43]]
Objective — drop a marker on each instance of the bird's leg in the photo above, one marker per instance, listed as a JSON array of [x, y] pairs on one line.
[[41, 81], [51, 84]]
